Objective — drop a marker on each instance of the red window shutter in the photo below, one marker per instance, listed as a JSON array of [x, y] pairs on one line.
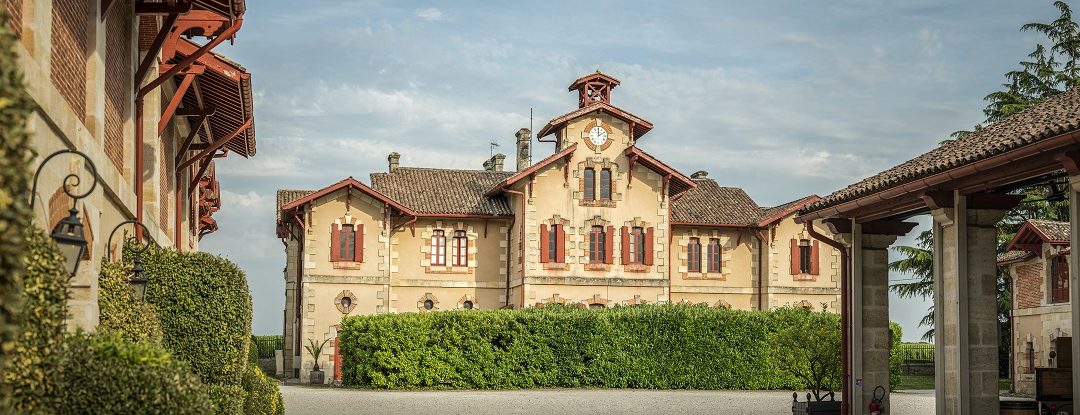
[[795, 257], [358, 246], [625, 245], [335, 243], [560, 244], [815, 266], [545, 237], [649, 246], [609, 245]]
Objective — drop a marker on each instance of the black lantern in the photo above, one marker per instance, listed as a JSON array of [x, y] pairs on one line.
[[68, 233], [138, 279]]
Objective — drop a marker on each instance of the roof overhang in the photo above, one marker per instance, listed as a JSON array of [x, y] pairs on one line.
[[678, 183], [717, 225], [349, 183], [1030, 238], [564, 154], [638, 126], [773, 218], [223, 93]]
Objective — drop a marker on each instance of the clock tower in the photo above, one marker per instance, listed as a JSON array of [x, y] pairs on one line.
[[593, 88]]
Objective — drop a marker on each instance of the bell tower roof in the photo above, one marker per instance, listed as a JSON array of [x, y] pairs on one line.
[[594, 87]]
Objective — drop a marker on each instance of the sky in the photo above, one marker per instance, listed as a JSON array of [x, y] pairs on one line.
[[780, 98]]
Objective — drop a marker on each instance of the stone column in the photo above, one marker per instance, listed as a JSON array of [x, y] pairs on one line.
[[966, 329]]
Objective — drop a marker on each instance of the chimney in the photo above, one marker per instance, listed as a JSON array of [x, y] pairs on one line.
[[524, 139], [394, 160], [700, 174], [495, 163]]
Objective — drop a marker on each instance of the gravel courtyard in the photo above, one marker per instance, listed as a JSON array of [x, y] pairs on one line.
[[303, 400]]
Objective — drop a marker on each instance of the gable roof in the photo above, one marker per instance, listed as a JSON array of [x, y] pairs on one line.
[[1052, 231], [347, 183], [640, 125], [775, 213], [1015, 255], [710, 204], [680, 184], [434, 192], [1054, 116], [284, 196], [497, 188]]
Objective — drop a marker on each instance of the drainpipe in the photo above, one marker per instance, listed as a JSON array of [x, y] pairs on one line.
[[845, 354], [509, 265], [761, 270], [670, 239], [521, 258]]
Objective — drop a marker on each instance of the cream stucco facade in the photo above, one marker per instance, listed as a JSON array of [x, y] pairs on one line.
[[542, 234]]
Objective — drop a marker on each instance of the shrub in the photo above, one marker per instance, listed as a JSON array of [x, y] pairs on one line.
[[121, 313], [205, 310], [263, 396], [15, 157], [40, 346], [896, 358], [229, 399], [810, 349], [104, 374]]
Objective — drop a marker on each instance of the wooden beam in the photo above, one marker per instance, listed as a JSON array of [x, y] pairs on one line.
[[187, 142], [155, 47], [174, 101], [217, 144], [144, 8]]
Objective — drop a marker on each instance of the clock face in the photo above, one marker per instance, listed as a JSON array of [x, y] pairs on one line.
[[598, 136]]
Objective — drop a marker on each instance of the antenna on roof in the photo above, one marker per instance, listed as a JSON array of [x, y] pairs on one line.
[[491, 148], [530, 132]]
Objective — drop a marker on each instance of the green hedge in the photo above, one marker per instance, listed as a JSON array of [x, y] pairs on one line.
[[105, 374], [15, 163], [120, 312], [229, 399], [263, 396], [664, 346], [204, 306], [896, 357], [38, 353]]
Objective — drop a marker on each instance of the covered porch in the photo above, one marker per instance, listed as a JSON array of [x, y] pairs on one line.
[[967, 186]]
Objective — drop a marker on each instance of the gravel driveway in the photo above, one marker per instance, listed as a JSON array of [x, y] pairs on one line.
[[302, 400]]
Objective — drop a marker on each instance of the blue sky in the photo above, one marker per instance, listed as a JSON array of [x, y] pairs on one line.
[[781, 98]]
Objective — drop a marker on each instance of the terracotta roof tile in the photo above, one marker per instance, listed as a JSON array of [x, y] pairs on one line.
[[285, 196], [444, 191], [709, 203], [1054, 116], [770, 214], [1054, 230], [1013, 256]]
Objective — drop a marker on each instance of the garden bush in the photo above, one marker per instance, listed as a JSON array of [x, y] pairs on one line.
[[896, 359], [120, 312], [229, 399], [15, 158], [263, 396], [204, 307], [105, 374], [662, 346]]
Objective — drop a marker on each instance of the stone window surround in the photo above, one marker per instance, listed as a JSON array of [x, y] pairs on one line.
[[683, 252], [804, 277], [554, 299], [595, 299], [461, 302], [598, 164], [1048, 275], [348, 219], [448, 229], [426, 297], [565, 223], [338, 301], [638, 223], [585, 233]]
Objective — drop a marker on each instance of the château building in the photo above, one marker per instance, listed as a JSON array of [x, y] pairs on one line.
[[598, 223]]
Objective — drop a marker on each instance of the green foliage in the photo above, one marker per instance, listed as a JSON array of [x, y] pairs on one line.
[[263, 396], [105, 374], [40, 346], [896, 356], [661, 346], [121, 312], [809, 349], [205, 310], [229, 399], [253, 352], [15, 157]]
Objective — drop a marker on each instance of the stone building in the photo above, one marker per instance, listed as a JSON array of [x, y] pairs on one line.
[[1037, 259], [598, 223], [135, 86]]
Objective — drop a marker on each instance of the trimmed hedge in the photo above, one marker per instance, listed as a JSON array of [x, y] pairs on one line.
[[204, 306], [661, 346], [39, 350], [263, 396], [105, 374], [15, 215], [896, 359], [229, 399], [120, 312]]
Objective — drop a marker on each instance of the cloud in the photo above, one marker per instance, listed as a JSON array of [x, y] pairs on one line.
[[430, 14]]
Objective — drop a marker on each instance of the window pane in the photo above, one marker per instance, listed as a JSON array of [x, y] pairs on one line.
[[590, 184], [596, 245], [605, 184], [552, 247], [804, 257], [693, 250]]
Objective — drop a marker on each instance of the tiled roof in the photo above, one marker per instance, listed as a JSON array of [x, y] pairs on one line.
[[285, 196], [443, 191], [1054, 230], [1056, 115], [773, 213], [1013, 256], [709, 203], [641, 126]]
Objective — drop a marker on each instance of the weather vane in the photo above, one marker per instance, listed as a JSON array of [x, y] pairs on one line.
[[491, 148]]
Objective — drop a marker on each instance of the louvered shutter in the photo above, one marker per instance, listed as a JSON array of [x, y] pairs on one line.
[[335, 242], [609, 245], [795, 257], [625, 245], [649, 246], [560, 244], [358, 244], [815, 266], [545, 243]]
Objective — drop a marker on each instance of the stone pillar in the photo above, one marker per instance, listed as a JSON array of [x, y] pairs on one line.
[[966, 329]]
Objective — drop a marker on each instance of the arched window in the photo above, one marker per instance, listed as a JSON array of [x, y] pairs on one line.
[[461, 249], [597, 245], [438, 248], [605, 184], [590, 184], [693, 255], [714, 255]]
